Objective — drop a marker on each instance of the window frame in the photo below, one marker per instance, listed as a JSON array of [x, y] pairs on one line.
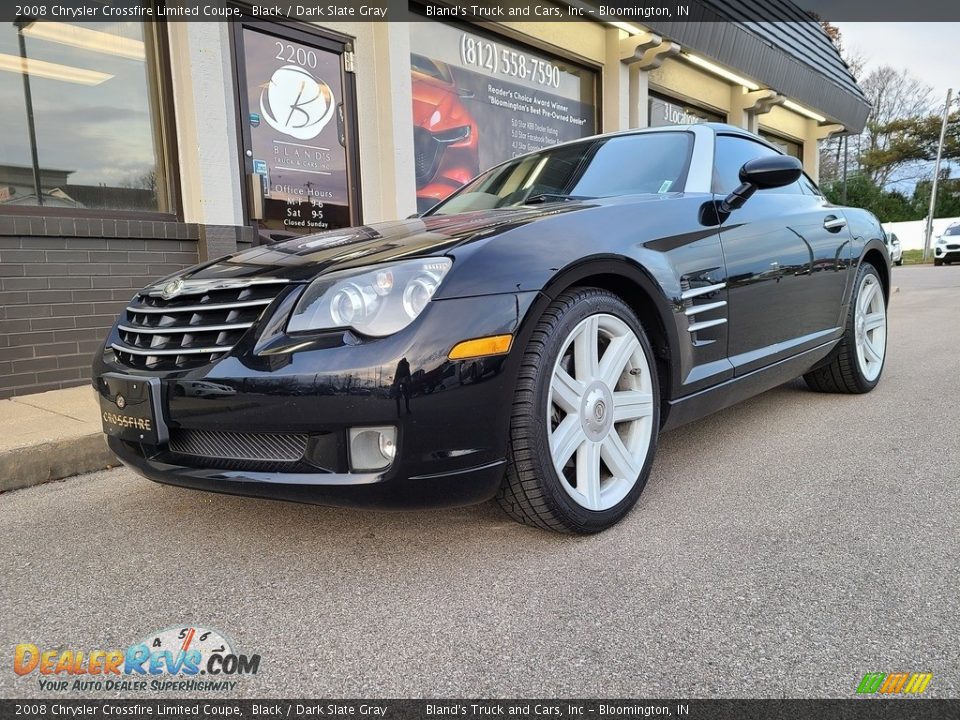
[[161, 107]]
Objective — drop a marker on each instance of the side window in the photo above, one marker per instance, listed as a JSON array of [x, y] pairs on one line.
[[730, 154]]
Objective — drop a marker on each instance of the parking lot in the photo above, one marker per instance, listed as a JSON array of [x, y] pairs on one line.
[[783, 547]]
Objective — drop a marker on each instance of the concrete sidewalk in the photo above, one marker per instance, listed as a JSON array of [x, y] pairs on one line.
[[49, 436]]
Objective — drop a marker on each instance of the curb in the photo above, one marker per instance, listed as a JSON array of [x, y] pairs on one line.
[[37, 464]]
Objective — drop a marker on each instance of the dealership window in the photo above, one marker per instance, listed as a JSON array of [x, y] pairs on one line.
[[81, 128], [664, 110], [786, 145], [480, 99]]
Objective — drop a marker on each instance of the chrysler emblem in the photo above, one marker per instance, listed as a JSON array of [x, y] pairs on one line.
[[121, 401], [172, 289]]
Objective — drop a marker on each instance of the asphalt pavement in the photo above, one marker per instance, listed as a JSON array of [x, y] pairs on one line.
[[782, 548]]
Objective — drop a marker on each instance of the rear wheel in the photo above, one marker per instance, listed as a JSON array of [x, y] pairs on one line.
[[585, 416], [856, 363]]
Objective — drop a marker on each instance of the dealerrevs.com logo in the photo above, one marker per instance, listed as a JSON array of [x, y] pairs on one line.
[[185, 659]]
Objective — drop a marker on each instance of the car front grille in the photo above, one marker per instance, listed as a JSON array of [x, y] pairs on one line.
[[258, 447], [199, 324], [954, 246], [426, 155]]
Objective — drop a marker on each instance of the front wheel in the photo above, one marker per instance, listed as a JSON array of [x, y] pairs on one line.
[[586, 414], [857, 361], [899, 262], [937, 262]]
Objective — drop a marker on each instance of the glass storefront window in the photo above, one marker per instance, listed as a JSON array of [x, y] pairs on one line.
[[664, 110], [80, 123], [788, 146], [479, 99]]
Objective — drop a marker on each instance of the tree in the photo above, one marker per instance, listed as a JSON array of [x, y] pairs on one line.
[[948, 196], [896, 98], [889, 206]]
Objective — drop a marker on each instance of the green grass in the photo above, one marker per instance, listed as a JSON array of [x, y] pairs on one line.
[[915, 257]]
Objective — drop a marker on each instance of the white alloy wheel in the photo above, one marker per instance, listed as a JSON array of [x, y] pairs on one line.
[[599, 412], [870, 327]]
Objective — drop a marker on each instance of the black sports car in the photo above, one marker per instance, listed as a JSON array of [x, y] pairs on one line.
[[526, 339]]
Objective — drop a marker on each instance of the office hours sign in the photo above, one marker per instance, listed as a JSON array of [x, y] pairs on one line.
[[295, 100]]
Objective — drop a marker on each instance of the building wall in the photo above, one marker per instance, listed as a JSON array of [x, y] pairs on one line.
[[912, 233], [677, 78], [64, 282]]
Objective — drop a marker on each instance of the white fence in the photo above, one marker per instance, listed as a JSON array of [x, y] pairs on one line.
[[911, 233]]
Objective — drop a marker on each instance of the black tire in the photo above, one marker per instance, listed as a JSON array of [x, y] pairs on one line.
[[937, 262], [532, 492], [899, 262], [842, 373]]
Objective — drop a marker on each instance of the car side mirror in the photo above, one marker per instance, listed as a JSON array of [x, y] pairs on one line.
[[762, 174]]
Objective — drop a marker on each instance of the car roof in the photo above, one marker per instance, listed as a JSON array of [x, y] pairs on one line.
[[715, 127]]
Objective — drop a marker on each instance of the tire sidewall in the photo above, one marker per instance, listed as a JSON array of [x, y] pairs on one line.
[[581, 519]]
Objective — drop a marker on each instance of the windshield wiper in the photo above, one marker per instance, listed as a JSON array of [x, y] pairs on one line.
[[553, 197]]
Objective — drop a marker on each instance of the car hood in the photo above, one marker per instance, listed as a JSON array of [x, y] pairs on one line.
[[435, 103], [304, 258]]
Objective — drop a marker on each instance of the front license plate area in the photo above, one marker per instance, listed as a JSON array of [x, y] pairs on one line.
[[129, 408]]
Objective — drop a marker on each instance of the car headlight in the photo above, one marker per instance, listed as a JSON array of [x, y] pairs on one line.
[[378, 300]]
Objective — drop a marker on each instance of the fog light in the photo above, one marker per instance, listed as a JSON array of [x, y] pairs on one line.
[[372, 448]]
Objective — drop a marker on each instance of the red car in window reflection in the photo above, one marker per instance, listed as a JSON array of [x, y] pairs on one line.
[[445, 137]]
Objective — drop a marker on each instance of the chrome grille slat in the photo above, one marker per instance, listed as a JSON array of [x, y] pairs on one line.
[[169, 329], [706, 307], [217, 444], [149, 352], [193, 327], [204, 286], [197, 308], [698, 291], [706, 324]]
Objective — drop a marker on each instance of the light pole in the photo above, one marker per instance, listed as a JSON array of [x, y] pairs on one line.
[[936, 177], [28, 99]]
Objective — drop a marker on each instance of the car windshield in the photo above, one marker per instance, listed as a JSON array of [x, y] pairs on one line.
[[624, 165], [954, 230], [429, 67]]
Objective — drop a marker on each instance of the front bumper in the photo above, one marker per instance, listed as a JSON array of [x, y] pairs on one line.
[[452, 417], [944, 252]]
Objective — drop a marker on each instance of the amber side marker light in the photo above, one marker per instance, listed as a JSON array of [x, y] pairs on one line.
[[481, 347]]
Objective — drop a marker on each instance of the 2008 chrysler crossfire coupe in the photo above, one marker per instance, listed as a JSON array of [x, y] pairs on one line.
[[526, 339]]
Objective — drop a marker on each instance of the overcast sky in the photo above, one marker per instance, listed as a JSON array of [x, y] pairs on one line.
[[927, 50], [930, 51]]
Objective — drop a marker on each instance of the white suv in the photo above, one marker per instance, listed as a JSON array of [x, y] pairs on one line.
[[896, 251], [947, 248]]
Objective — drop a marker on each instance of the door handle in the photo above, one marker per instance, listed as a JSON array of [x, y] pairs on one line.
[[834, 223]]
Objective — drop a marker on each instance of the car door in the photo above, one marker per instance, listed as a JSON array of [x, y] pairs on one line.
[[787, 257]]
